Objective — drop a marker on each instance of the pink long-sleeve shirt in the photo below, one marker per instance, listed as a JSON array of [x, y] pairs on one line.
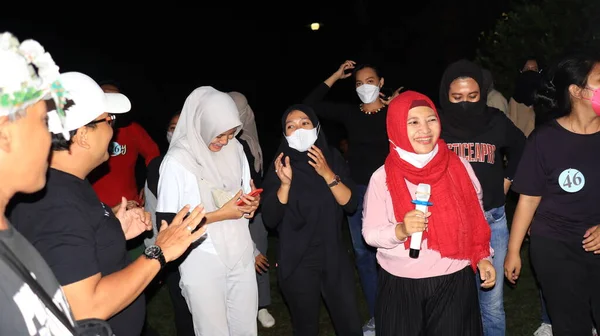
[[379, 230]]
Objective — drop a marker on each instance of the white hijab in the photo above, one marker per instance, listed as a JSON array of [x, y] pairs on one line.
[[207, 113], [250, 134]]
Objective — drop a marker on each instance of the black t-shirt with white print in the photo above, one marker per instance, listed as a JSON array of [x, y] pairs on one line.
[[22, 312], [564, 169]]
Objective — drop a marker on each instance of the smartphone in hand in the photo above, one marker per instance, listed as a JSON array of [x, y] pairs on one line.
[[253, 193]]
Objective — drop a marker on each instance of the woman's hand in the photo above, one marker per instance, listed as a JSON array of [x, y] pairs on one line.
[[487, 273], [591, 241], [415, 221], [261, 264], [389, 100], [133, 221], [284, 172], [341, 72], [512, 267], [231, 210], [251, 202], [320, 164]]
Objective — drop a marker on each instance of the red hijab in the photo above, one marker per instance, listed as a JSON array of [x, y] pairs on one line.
[[457, 228]]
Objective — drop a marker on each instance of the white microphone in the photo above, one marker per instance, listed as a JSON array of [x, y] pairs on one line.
[[421, 203]]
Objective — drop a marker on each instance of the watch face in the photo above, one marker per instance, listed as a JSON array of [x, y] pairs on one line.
[[152, 251]]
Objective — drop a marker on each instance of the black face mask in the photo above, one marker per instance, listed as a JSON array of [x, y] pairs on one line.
[[471, 115], [467, 109]]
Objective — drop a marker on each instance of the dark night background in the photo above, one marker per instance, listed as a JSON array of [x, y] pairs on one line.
[[159, 54]]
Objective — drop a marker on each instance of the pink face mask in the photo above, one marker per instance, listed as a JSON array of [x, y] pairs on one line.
[[595, 100]]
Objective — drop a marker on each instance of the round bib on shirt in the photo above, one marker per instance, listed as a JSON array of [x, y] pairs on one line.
[[571, 180]]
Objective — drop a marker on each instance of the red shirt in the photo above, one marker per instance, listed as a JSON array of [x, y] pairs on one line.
[[119, 179]]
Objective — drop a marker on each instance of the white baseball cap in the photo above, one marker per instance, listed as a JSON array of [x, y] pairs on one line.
[[89, 102]]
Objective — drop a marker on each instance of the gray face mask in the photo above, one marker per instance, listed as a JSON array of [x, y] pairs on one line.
[[169, 136]]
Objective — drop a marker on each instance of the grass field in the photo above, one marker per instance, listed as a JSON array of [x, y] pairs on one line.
[[522, 304]]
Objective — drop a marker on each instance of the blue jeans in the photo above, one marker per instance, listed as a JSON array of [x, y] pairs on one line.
[[545, 317], [365, 255], [491, 301]]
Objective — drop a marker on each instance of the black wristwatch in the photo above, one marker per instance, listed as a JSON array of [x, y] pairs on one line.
[[335, 182], [155, 252]]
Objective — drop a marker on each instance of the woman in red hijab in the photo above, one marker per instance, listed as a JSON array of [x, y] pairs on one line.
[[431, 293]]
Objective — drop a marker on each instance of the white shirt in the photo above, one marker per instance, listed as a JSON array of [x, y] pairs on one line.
[[178, 187]]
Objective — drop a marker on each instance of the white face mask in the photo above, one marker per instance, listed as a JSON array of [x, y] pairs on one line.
[[417, 160], [169, 136], [302, 139], [368, 93]]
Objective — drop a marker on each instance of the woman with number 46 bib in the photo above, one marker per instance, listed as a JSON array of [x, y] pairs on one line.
[[559, 183]]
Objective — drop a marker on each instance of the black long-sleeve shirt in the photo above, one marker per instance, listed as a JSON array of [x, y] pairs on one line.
[[486, 153], [368, 144]]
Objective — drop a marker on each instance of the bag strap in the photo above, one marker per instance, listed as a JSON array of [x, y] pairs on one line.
[[17, 266]]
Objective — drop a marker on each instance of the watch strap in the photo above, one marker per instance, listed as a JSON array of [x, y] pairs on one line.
[[160, 256], [335, 182]]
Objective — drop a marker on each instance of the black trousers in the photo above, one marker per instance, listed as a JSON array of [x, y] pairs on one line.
[[570, 280], [332, 278], [183, 317], [445, 305]]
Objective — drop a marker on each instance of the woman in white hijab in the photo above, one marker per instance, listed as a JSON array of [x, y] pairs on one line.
[[206, 164]]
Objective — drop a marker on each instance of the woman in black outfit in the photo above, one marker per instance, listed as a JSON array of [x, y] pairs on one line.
[[306, 193], [559, 183], [368, 146]]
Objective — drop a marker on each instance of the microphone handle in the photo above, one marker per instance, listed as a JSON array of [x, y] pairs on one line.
[[415, 238]]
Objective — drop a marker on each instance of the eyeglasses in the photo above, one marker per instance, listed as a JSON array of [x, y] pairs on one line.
[[110, 120]]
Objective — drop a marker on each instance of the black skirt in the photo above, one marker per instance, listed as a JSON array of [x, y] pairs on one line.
[[444, 305]]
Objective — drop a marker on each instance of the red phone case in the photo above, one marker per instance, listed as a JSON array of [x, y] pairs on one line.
[[253, 193]]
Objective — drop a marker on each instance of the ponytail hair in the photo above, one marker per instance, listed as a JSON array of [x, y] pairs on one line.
[[553, 99]]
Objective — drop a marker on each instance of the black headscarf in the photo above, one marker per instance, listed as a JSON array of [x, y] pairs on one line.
[[311, 205], [465, 119], [527, 83]]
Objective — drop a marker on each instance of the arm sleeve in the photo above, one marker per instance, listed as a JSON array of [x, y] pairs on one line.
[[324, 109], [147, 147], [171, 187], [514, 148], [530, 176], [377, 230], [342, 170]]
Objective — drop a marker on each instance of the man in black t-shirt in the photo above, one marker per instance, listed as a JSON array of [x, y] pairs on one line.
[[82, 240], [24, 147]]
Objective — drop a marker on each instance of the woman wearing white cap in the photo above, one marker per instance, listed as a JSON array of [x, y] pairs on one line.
[[206, 164]]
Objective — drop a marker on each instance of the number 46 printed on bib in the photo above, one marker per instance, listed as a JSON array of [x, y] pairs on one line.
[[571, 180]]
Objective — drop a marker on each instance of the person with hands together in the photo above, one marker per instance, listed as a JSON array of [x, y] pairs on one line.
[[367, 150], [206, 164], [81, 238], [434, 294], [559, 188], [307, 192]]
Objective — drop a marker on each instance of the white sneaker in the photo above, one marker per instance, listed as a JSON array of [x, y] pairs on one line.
[[545, 329], [369, 328], [265, 318]]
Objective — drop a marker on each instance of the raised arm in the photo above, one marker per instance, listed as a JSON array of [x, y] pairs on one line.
[[330, 110]]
